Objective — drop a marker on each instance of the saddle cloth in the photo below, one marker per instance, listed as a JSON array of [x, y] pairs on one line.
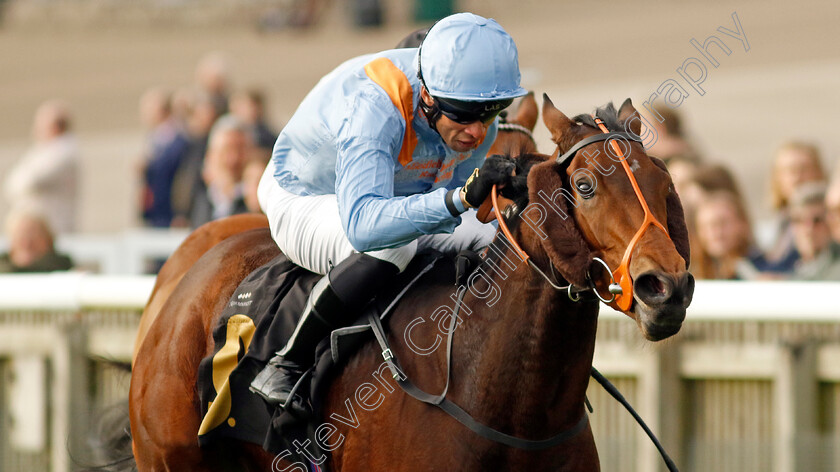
[[258, 320]]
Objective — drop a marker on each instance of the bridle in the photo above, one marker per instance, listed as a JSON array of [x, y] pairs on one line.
[[621, 283], [505, 125], [622, 296]]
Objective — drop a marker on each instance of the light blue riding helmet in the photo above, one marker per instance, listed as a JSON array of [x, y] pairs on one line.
[[470, 58]]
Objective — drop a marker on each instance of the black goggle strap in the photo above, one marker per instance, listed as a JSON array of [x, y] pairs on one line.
[[432, 112], [568, 155]]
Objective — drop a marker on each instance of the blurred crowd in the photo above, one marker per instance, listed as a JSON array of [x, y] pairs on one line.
[[800, 242], [208, 144], [42, 189], [207, 147], [205, 150]]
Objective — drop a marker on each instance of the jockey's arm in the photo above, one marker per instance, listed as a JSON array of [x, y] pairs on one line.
[[372, 217]]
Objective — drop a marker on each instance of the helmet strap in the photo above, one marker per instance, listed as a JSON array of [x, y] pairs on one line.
[[432, 112]]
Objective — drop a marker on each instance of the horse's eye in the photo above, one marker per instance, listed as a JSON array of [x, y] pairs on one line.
[[585, 188]]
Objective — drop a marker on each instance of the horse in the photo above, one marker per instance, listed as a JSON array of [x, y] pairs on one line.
[[522, 349]]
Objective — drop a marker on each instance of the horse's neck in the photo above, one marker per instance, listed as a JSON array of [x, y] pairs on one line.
[[528, 359]]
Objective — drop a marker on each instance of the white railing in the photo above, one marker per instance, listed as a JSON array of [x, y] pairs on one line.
[[750, 348], [73, 291], [128, 252], [798, 302]]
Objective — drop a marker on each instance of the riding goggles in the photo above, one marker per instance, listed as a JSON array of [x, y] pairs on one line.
[[464, 112]]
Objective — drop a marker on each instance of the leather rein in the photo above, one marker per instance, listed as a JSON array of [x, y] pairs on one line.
[[462, 416], [451, 408], [622, 296]]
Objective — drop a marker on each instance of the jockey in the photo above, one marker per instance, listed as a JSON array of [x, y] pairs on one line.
[[381, 159]]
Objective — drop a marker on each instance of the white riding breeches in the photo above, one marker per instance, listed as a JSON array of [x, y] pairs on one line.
[[309, 232]]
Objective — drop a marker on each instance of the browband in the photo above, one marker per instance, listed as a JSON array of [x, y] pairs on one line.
[[594, 139]]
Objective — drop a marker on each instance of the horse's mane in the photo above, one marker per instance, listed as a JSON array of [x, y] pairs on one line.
[[607, 113]]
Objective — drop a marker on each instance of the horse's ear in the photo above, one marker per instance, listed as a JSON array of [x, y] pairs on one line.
[[527, 113], [555, 225], [677, 229], [554, 119], [626, 112]]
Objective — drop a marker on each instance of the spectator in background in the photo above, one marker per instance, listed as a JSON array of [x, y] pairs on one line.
[[832, 205], [47, 175], [249, 106], [671, 140], [722, 246], [291, 13], [188, 181], [796, 163], [31, 247], [167, 147], [229, 149], [695, 183], [820, 255], [682, 173], [183, 99], [212, 75]]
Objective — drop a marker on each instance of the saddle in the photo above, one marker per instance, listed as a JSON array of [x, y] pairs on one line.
[[259, 318]]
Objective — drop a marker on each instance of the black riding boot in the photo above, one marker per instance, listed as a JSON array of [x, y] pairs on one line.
[[334, 302]]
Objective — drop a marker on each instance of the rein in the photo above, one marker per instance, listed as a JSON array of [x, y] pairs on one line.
[[450, 407], [572, 291], [622, 293], [465, 418]]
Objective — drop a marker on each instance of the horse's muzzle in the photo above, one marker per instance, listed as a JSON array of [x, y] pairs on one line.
[[661, 301]]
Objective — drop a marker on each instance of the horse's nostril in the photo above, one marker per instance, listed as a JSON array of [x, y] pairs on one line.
[[655, 285], [652, 289]]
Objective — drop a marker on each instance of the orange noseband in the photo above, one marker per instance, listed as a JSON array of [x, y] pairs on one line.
[[622, 273], [623, 300]]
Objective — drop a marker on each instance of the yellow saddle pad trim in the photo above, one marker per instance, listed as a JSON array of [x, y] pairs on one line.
[[238, 327]]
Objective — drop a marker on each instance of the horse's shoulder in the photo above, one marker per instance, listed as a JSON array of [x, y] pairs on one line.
[[199, 296], [197, 243]]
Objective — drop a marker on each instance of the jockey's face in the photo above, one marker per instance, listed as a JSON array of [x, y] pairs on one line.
[[459, 137]]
